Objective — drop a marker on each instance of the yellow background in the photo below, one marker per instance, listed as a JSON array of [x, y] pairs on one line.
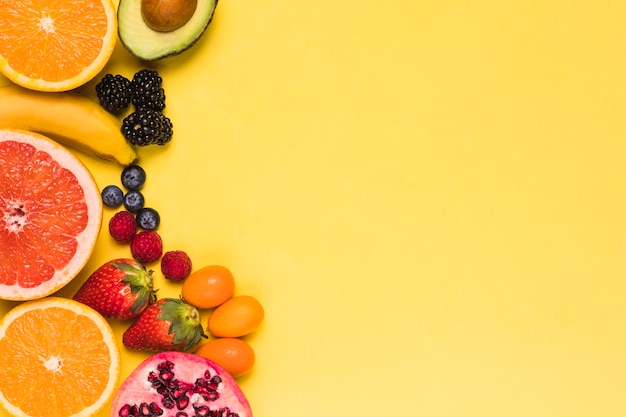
[[428, 197]]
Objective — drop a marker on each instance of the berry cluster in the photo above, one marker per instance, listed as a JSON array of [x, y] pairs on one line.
[[137, 225], [161, 323], [146, 125]]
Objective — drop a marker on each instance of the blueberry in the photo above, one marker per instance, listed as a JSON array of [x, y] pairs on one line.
[[133, 201], [133, 177], [148, 218], [112, 196]]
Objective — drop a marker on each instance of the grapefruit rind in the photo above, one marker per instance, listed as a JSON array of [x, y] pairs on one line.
[[80, 310], [86, 240]]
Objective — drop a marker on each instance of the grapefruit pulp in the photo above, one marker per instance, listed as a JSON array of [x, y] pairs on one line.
[[50, 215]]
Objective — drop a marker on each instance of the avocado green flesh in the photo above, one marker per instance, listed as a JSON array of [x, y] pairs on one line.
[[148, 44]]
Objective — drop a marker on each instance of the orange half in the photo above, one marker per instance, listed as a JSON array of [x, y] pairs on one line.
[[59, 358], [55, 45]]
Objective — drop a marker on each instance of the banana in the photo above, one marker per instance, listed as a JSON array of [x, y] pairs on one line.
[[70, 119]]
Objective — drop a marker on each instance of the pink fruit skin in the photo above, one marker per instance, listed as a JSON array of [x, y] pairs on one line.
[[136, 389]]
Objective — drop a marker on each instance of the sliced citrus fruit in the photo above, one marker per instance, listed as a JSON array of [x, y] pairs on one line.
[[55, 45], [50, 215], [59, 358]]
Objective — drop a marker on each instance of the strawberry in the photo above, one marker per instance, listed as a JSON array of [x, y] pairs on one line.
[[119, 289], [170, 324], [146, 246]]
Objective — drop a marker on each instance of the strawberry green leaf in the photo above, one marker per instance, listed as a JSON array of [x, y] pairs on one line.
[[140, 282], [185, 324]]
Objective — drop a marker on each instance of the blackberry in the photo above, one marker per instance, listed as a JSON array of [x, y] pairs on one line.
[[114, 92], [148, 218], [133, 177], [147, 127], [147, 90], [112, 196]]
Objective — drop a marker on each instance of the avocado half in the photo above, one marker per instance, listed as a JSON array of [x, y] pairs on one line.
[[150, 45]]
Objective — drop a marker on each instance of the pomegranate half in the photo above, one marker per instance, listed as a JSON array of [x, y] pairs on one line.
[[179, 384]]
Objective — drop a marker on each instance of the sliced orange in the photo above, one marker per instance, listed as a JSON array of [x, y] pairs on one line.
[[50, 215], [59, 358], [55, 45]]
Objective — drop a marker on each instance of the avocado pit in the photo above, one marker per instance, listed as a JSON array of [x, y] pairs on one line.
[[167, 15]]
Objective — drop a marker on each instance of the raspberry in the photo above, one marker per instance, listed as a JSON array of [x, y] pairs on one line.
[[146, 246], [123, 226], [175, 265]]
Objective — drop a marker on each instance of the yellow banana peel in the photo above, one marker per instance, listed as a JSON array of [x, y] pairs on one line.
[[72, 120]]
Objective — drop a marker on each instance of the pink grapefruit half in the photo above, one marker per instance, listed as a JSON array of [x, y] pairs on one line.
[[50, 215]]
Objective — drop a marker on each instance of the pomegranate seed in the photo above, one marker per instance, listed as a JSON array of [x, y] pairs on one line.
[[166, 375], [156, 410], [169, 365], [124, 411], [182, 402], [202, 410], [177, 393], [144, 410], [208, 394], [168, 402]]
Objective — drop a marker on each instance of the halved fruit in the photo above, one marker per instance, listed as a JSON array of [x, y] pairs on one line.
[[59, 358], [149, 44], [51, 214], [174, 384], [56, 45]]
